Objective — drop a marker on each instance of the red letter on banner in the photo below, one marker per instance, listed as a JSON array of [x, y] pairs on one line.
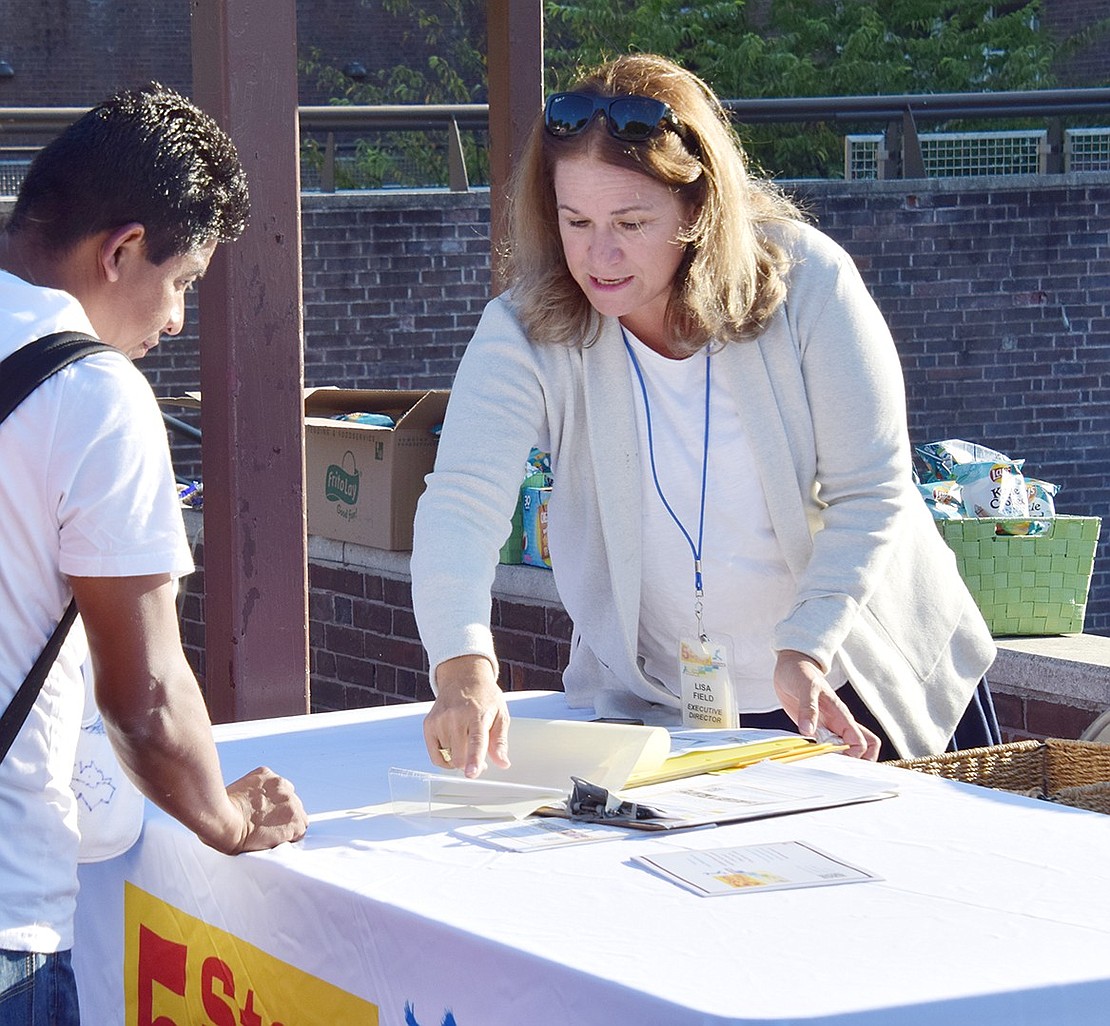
[[160, 961], [220, 1013]]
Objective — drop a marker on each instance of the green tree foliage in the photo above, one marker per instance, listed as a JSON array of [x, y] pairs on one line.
[[449, 37], [742, 48], [797, 48]]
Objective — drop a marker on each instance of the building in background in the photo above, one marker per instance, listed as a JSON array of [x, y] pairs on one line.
[[73, 52]]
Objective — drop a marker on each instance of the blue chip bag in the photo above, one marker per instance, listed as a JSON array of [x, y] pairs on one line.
[[944, 499], [1041, 510], [995, 489], [539, 462], [373, 419], [940, 459], [1041, 496]]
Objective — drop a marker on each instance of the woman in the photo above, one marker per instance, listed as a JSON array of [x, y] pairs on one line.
[[725, 414]]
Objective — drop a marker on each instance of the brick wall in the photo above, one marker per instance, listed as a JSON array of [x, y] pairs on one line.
[[995, 289], [1023, 716], [72, 53], [364, 646], [996, 293], [365, 651], [393, 284], [1085, 59]]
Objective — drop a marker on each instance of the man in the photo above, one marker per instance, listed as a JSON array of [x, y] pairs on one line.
[[115, 222]]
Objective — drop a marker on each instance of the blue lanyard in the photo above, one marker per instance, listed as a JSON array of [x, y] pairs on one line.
[[694, 549]]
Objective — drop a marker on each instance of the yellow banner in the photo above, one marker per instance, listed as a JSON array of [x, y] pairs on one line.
[[181, 971]]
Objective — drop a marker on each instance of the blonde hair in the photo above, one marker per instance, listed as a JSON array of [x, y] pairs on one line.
[[731, 279]]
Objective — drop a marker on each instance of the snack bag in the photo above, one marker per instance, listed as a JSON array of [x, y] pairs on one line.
[[539, 462], [995, 489], [944, 499], [1041, 496], [1041, 510], [537, 479], [373, 419], [941, 458]]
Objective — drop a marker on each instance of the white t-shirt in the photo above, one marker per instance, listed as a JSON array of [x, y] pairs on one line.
[[747, 585], [86, 489]]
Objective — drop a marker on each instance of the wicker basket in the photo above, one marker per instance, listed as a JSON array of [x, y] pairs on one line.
[[1026, 585], [1073, 773]]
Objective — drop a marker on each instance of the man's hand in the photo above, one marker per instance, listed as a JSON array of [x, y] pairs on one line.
[[158, 724], [812, 704], [271, 811], [470, 719]]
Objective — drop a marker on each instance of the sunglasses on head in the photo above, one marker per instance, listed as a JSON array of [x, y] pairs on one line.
[[628, 118]]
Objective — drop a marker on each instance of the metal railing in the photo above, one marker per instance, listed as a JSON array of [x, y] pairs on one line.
[[398, 118], [449, 118], [965, 154], [900, 155], [961, 154]]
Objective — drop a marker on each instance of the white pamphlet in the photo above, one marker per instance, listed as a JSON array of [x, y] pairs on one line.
[[753, 867]]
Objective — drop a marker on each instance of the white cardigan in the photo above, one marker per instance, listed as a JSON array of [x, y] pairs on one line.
[[821, 396]]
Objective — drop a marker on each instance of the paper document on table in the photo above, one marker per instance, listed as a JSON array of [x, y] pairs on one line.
[[710, 739], [714, 753], [766, 789], [547, 754], [753, 867], [446, 796], [535, 833]]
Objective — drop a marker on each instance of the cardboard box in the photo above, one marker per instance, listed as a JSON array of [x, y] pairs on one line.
[[362, 482]]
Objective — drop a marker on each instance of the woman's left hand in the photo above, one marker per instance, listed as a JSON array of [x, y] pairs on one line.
[[812, 704]]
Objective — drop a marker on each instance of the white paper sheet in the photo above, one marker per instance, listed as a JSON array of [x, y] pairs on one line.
[[753, 867]]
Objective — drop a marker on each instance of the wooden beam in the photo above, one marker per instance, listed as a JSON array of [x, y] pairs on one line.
[[252, 374], [515, 73]]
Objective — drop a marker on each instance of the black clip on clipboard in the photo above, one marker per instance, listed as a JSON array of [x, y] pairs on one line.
[[593, 804]]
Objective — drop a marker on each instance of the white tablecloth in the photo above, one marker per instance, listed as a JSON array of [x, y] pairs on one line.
[[992, 909]]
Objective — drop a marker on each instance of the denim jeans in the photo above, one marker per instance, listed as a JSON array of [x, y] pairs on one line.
[[37, 990]]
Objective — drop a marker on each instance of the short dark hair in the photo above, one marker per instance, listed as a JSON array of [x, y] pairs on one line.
[[146, 155]]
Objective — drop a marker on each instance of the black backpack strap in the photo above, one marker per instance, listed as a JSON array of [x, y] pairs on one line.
[[27, 368], [24, 699], [20, 374]]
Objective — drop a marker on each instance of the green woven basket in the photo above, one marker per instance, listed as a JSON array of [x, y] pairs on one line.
[[1026, 585]]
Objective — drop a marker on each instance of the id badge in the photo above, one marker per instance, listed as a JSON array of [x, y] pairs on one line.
[[707, 698]]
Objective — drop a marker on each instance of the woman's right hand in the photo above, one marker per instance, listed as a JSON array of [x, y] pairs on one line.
[[812, 704], [469, 721]]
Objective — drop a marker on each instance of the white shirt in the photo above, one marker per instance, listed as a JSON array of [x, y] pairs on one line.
[[86, 489], [747, 585]]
